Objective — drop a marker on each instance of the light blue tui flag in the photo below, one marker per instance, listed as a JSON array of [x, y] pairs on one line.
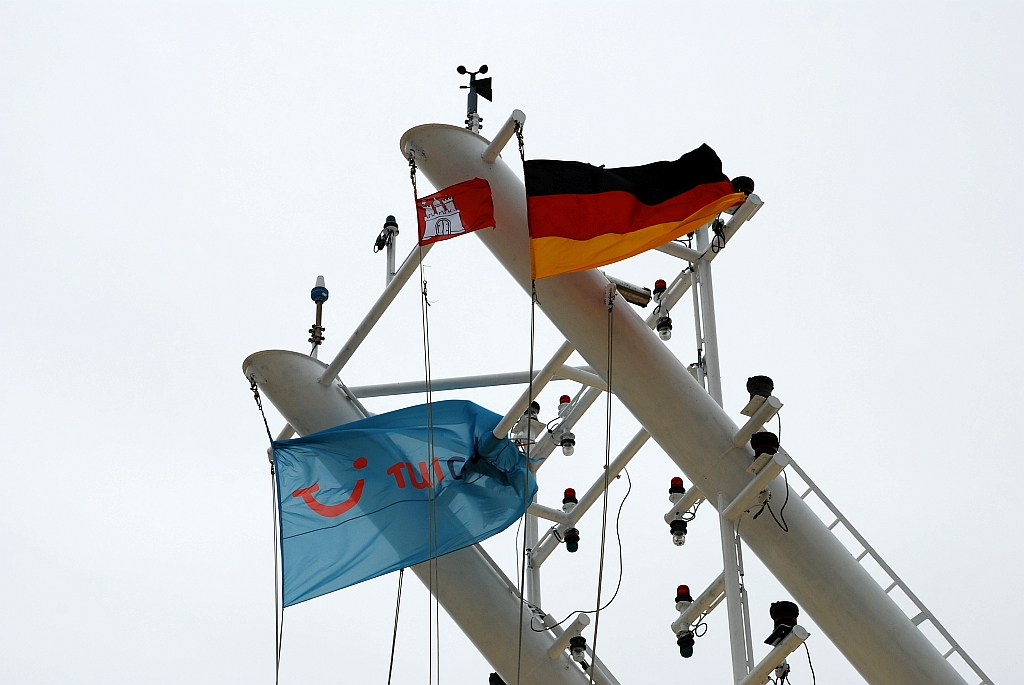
[[363, 499]]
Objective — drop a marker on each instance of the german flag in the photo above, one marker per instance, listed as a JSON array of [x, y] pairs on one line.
[[582, 217]]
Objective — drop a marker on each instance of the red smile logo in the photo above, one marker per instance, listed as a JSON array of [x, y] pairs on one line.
[[332, 510]]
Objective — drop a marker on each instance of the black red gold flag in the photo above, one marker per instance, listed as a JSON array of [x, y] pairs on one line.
[[582, 216]]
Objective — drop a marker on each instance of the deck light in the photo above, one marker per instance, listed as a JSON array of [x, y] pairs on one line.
[[678, 529], [784, 614]]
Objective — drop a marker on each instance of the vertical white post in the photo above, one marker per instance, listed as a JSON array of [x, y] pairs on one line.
[[698, 327], [532, 570], [744, 601], [391, 258], [707, 302], [733, 601]]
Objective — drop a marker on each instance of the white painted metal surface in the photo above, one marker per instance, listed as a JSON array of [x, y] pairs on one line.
[[864, 623], [481, 600], [760, 674], [408, 268]]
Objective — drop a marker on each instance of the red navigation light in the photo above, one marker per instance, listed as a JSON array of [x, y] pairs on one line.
[[683, 590], [570, 493], [564, 399], [660, 283], [677, 481]]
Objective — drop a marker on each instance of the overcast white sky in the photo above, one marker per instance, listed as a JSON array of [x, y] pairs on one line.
[[173, 177]]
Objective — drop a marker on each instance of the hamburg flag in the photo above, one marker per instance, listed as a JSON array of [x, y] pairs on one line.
[[462, 208], [582, 216], [373, 496]]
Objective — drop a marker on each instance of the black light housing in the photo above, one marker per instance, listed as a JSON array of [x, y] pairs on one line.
[[685, 643], [784, 614], [764, 442], [572, 540], [743, 184], [760, 385]]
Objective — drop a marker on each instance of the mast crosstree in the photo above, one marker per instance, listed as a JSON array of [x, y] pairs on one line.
[[825, 578]]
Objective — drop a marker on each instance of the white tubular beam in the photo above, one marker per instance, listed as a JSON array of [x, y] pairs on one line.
[[672, 295], [546, 445], [814, 566], [748, 495], [733, 602], [707, 308], [409, 266], [548, 542], [464, 580], [565, 373], [689, 499], [763, 415], [286, 432], [707, 601], [789, 644], [742, 215], [573, 629], [679, 250], [580, 376], [539, 381], [540, 511], [533, 595], [504, 134]]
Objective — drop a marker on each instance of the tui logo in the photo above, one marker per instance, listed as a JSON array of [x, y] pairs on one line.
[[332, 510]]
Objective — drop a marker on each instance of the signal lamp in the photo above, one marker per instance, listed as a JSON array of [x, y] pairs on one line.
[[683, 594], [534, 411], [764, 442], [743, 184], [564, 402], [659, 288], [664, 327], [578, 648], [677, 487], [685, 643], [572, 539], [784, 614], [678, 529], [567, 443], [760, 385]]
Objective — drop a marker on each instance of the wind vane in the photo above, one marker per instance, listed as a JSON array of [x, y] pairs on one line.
[[476, 86]]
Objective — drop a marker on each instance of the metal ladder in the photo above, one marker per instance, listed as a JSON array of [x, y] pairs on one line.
[[923, 615]]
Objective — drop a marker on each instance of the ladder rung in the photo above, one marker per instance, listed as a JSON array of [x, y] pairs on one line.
[[833, 525], [919, 619], [806, 492], [862, 554], [951, 650], [891, 586]]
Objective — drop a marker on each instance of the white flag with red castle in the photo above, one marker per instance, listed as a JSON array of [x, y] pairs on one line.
[[462, 208]]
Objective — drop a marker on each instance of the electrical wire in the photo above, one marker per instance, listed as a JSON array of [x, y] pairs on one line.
[[394, 635], [526, 474], [814, 679], [618, 537], [784, 526]]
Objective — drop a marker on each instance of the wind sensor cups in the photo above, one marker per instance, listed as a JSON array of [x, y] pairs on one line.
[[784, 614]]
